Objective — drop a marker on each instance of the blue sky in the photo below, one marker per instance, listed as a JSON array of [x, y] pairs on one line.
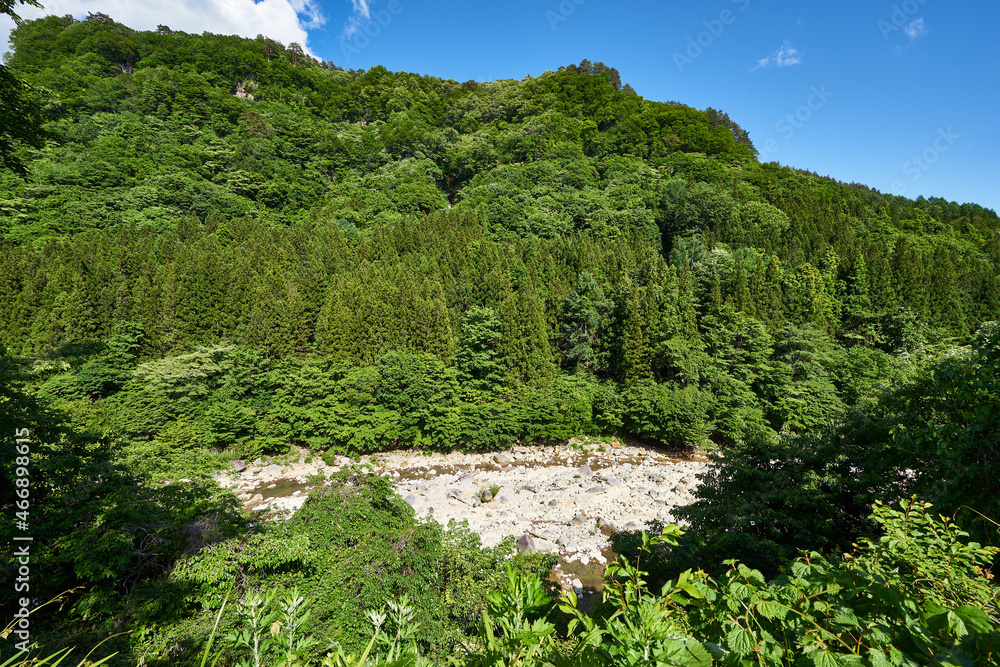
[[899, 95]]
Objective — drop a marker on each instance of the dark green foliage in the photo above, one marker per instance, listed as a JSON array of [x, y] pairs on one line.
[[365, 547], [476, 357], [932, 431], [950, 424], [587, 311], [96, 523], [804, 395], [21, 119], [106, 374], [768, 499], [676, 417]]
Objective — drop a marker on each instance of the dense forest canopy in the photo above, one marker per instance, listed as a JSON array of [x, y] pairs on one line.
[[220, 247]]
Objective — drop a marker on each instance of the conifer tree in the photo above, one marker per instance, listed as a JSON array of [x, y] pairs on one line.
[[430, 330], [587, 311], [833, 287], [166, 334], [945, 299], [635, 348], [335, 337], [715, 297], [808, 302], [200, 292], [908, 277], [686, 303], [477, 351], [11, 299], [740, 297], [524, 350], [860, 322], [770, 299], [882, 286]]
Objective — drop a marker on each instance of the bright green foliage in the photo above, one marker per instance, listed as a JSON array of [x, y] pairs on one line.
[[358, 261], [423, 392], [366, 547], [867, 373], [804, 395], [587, 311], [677, 417], [916, 596], [415, 401], [514, 627], [476, 357], [330, 569], [322, 405], [238, 563], [207, 398], [641, 630], [738, 350], [919, 595]]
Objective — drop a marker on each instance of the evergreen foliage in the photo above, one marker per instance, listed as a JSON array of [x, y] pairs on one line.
[[214, 247]]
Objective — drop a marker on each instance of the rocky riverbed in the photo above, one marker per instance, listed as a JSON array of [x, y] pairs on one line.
[[564, 499]]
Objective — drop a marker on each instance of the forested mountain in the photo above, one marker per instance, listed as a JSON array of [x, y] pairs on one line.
[[227, 246], [529, 235]]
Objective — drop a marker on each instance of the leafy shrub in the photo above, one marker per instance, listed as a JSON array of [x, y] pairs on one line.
[[919, 595], [659, 412]]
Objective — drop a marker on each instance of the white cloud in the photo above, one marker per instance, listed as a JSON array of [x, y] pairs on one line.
[[915, 29], [362, 13], [283, 20], [361, 7], [786, 56]]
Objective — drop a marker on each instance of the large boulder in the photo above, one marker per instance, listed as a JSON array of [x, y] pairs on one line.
[[526, 543]]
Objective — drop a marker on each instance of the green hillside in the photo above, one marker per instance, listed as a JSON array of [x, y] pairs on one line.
[[224, 248]]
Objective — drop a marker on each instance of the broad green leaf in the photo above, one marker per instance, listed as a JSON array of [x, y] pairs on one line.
[[771, 610], [974, 619], [741, 641], [878, 658], [826, 659]]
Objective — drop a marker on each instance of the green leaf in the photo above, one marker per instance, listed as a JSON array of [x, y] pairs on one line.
[[715, 650], [771, 610], [878, 658], [741, 641], [826, 659], [693, 592], [974, 619]]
